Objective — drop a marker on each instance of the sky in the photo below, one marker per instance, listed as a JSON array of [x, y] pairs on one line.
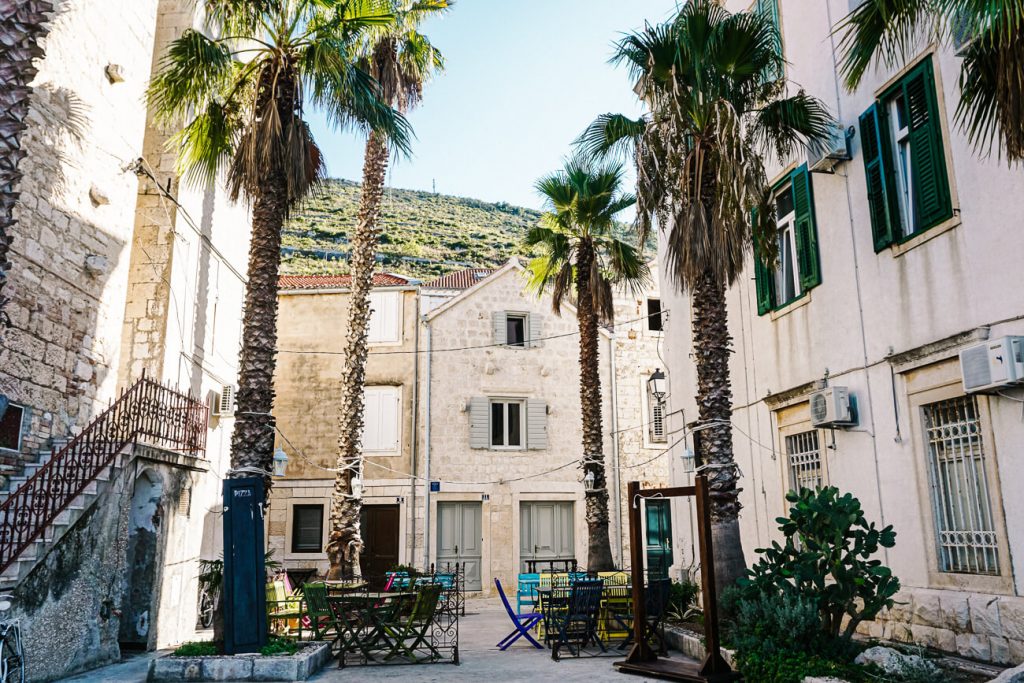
[[523, 79]]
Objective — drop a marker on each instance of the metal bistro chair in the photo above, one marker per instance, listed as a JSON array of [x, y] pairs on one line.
[[522, 622], [656, 599], [316, 614], [578, 625], [526, 591], [410, 636]]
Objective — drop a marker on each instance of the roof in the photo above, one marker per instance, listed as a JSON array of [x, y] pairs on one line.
[[462, 279], [339, 281]]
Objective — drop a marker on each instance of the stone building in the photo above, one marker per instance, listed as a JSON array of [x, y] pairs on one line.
[[448, 492], [890, 276], [118, 270], [311, 342]]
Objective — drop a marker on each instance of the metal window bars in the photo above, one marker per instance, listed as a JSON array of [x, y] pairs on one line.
[[804, 456], [961, 502]]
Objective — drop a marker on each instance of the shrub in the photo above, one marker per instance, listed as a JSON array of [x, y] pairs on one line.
[[197, 649], [827, 559], [279, 646], [793, 667]]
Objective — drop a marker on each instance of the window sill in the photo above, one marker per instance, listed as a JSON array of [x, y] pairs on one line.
[[383, 454], [306, 556], [796, 303], [916, 240], [999, 584]]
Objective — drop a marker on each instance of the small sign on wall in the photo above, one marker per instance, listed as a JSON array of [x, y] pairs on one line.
[[435, 486]]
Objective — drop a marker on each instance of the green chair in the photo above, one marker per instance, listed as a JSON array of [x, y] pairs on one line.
[[317, 615], [408, 634]]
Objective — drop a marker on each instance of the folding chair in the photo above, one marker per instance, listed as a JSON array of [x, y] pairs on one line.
[[656, 599], [416, 627], [579, 623], [317, 615], [526, 591], [523, 623]]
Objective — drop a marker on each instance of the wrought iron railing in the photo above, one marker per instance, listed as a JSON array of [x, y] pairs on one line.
[[148, 411]]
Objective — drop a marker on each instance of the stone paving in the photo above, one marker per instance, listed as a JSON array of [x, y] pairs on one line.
[[484, 625]]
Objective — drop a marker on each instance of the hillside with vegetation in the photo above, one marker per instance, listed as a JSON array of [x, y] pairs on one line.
[[422, 234]]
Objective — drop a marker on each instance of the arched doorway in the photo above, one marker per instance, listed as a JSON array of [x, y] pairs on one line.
[[144, 531]]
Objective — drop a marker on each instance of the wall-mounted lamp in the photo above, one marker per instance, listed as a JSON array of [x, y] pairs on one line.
[[357, 486], [280, 462], [588, 481], [656, 386]]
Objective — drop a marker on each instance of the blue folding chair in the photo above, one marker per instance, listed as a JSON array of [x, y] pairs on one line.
[[523, 623]]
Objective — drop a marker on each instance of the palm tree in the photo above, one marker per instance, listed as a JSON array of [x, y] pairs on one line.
[[716, 109], [240, 99], [401, 59], [23, 25], [583, 258], [990, 35]]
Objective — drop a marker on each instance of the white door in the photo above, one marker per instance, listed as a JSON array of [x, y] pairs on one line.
[[545, 532], [460, 540]]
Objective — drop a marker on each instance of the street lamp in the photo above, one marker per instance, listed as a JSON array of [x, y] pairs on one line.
[[656, 386], [280, 462], [357, 486], [588, 481]]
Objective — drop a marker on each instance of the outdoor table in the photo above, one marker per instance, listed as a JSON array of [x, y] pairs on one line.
[[360, 618], [552, 598]]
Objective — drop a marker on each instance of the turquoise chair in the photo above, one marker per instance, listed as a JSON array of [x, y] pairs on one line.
[[526, 592]]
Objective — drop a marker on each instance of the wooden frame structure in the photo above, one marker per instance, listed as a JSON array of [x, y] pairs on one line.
[[642, 659]]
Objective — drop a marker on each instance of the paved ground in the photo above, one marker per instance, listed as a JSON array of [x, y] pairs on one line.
[[484, 625]]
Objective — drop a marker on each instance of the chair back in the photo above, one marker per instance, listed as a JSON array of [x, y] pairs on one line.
[[316, 598], [658, 594], [276, 592], [427, 599], [585, 598], [501, 594]]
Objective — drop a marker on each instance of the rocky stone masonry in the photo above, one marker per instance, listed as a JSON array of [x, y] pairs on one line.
[[979, 626], [248, 667]]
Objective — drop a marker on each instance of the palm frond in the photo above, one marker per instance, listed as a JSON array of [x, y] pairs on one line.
[[886, 30], [194, 70], [613, 135], [781, 125]]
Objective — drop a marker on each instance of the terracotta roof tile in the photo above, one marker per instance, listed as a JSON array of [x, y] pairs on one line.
[[462, 279], [338, 281]]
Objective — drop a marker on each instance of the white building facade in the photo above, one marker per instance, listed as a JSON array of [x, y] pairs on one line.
[[891, 263]]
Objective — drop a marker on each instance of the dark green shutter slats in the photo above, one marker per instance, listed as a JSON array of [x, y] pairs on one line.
[[806, 230], [770, 9], [932, 203], [874, 139], [764, 283]]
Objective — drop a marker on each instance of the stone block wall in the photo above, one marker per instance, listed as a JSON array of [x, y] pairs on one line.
[[979, 626]]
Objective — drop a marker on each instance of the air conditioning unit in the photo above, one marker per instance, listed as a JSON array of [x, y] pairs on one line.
[[833, 407], [831, 152], [223, 403], [996, 363]]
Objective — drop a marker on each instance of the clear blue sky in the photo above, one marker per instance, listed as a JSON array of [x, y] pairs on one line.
[[524, 78]]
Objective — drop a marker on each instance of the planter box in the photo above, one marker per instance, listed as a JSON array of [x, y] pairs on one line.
[[248, 667], [692, 644]]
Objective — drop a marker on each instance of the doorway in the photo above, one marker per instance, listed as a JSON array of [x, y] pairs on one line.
[[658, 539], [144, 525], [545, 532], [378, 525], [460, 539]]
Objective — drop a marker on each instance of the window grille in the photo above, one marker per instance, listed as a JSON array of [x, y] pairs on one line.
[[804, 454], [965, 529]]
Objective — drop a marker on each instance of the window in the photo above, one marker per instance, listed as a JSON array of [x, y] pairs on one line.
[[966, 538], [10, 427], [803, 456], [798, 268], [508, 429], [656, 431], [385, 317], [904, 159], [382, 418], [654, 322], [307, 528], [515, 329]]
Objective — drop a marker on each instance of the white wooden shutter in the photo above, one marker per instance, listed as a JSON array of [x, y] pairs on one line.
[[499, 320], [381, 419], [536, 424], [533, 323], [385, 317], [479, 422]]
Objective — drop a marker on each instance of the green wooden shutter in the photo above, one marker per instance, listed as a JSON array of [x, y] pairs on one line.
[[877, 171], [770, 9], [764, 283], [932, 203], [806, 229]]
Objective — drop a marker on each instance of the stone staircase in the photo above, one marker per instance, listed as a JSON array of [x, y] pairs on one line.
[[54, 532], [42, 502]]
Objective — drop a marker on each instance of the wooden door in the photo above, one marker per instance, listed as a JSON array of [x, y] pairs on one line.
[[545, 532], [460, 539], [379, 527], [659, 536]]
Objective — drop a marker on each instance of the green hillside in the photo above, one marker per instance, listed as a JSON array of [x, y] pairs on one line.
[[423, 234]]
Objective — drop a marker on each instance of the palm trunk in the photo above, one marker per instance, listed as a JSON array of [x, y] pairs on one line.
[[22, 27], [711, 345], [252, 441], [345, 544], [599, 549]]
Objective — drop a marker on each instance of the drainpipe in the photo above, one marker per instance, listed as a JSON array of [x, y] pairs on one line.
[[426, 458], [615, 447], [415, 431]]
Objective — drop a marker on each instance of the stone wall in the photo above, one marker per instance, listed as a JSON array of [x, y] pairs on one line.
[[75, 215]]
